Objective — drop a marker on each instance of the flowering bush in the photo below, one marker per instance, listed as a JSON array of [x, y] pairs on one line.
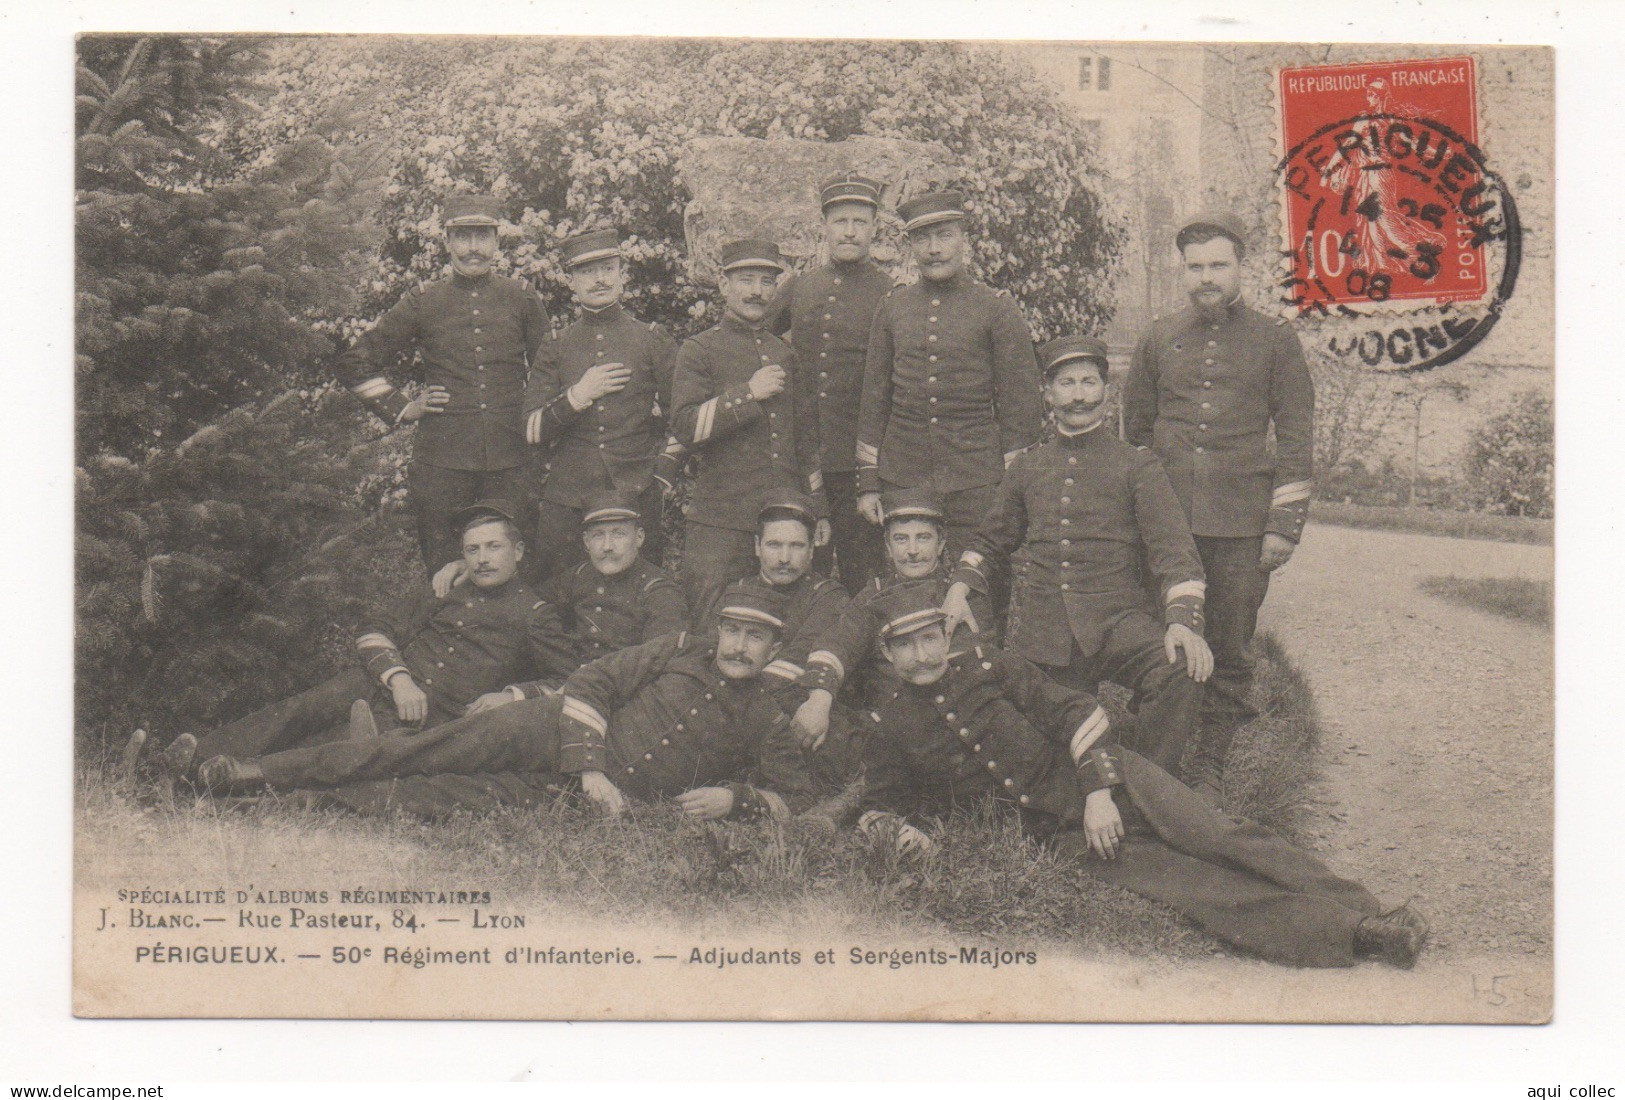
[[1510, 460]]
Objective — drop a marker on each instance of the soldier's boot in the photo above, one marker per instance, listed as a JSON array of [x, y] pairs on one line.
[[132, 753], [362, 723], [178, 755], [225, 775], [1396, 937]]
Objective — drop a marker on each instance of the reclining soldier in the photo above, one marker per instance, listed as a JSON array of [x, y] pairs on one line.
[[681, 717], [956, 730], [424, 663]]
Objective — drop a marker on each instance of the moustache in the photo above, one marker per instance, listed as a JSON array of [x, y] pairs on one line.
[[1082, 406]]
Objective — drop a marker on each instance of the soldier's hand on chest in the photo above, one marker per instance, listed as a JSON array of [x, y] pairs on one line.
[[768, 382], [600, 380]]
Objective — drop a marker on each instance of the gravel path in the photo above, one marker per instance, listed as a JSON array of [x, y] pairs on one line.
[[1437, 725]]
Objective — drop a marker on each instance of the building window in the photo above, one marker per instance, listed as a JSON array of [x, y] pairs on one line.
[[1094, 74]]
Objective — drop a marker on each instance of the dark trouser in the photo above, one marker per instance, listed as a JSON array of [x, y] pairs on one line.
[[518, 737], [713, 558], [434, 797], [320, 714], [558, 534], [438, 492], [1236, 587], [1166, 701], [1238, 880], [854, 543]]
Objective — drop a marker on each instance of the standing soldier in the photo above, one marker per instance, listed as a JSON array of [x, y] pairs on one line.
[[950, 386], [1071, 521], [1206, 387], [742, 403], [596, 398], [477, 333], [828, 313]]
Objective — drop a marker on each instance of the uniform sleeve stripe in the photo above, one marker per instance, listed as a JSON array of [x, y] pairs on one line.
[[868, 455], [586, 715], [786, 669], [706, 421], [970, 559], [1009, 457], [533, 427], [674, 446], [383, 677], [825, 657], [1188, 588], [815, 481], [374, 641], [372, 388], [1291, 494], [1088, 733]]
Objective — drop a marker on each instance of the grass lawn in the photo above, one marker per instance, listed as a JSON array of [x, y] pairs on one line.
[[1435, 521], [983, 881], [1528, 601]]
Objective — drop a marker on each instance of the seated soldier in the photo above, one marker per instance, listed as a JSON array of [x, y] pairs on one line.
[[683, 717], [613, 600], [429, 660], [1071, 521], [786, 529], [913, 540], [959, 729]]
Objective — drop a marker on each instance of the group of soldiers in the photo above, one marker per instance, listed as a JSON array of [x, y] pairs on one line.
[[992, 573]]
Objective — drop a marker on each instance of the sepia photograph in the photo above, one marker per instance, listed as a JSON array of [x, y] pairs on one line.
[[739, 529]]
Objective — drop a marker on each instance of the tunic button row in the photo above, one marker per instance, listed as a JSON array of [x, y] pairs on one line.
[[936, 301], [1069, 481], [823, 355], [931, 378], [992, 765], [476, 313], [1009, 782], [826, 316], [1206, 405], [950, 716], [1201, 427], [933, 320], [1066, 542], [832, 297], [1066, 565], [933, 420], [1072, 461], [1207, 362], [1066, 587], [1066, 500], [648, 756], [964, 731], [933, 358], [665, 740], [1024, 800], [1201, 450], [932, 338]]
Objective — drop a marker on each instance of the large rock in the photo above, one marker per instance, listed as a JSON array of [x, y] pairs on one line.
[[751, 187]]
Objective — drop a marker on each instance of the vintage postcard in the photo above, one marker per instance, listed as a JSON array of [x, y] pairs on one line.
[[719, 529]]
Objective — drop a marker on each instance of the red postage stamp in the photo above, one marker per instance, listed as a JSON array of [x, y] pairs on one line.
[[1386, 193]]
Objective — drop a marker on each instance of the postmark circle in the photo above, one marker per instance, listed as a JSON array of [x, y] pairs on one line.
[[1402, 244]]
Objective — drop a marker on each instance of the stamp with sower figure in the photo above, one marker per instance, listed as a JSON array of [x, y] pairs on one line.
[[1391, 209]]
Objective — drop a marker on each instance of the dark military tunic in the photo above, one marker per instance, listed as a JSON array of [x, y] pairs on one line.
[[950, 388], [477, 338], [994, 726], [607, 614], [828, 313], [467, 643], [612, 443], [1203, 394], [746, 447], [659, 719], [1071, 518]]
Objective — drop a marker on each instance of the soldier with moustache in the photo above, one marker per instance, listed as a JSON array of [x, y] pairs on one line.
[[785, 529], [683, 717], [744, 406], [950, 386], [828, 313], [1207, 388], [957, 730], [914, 548], [1072, 519], [597, 399], [478, 334]]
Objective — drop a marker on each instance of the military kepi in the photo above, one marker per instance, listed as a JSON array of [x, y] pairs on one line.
[[751, 252], [931, 208], [753, 604], [796, 504], [907, 607], [848, 187], [461, 210], [584, 248], [1058, 352], [610, 506], [1222, 220], [483, 511], [916, 503]]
